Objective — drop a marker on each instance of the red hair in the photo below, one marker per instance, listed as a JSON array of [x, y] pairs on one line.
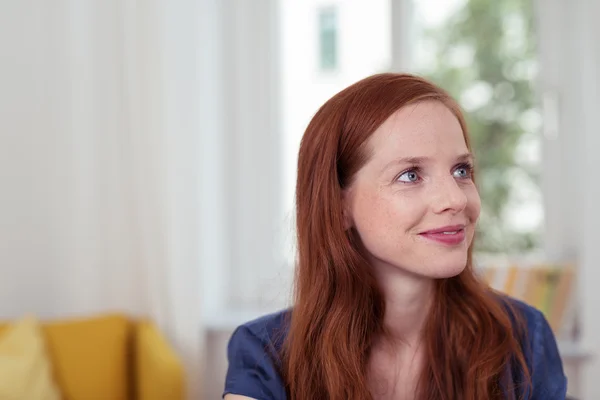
[[470, 334]]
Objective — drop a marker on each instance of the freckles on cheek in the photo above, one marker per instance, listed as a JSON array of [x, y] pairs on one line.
[[378, 217], [369, 212]]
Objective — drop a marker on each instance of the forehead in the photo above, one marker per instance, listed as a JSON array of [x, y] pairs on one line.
[[424, 129]]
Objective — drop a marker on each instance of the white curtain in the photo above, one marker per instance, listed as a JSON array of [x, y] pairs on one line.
[[100, 160]]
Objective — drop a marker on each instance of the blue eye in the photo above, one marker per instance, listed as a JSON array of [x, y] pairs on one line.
[[409, 176], [463, 171]]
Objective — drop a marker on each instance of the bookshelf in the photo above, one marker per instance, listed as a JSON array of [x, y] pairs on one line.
[[548, 287]]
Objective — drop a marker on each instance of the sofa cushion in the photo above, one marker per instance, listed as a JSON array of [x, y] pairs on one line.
[[25, 367], [91, 357]]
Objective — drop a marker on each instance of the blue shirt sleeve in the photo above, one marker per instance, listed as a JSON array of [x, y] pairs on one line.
[[548, 379], [251, 370]]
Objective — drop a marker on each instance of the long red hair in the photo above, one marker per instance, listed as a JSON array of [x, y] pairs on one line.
[[470, 333]]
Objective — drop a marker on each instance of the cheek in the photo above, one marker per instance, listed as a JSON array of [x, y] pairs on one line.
[[473, 203], [369, 214], [385, 218]]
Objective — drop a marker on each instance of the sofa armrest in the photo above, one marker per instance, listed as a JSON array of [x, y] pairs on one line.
[[159, 372]]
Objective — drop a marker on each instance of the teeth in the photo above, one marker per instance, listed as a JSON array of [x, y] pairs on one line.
[[450, 233]]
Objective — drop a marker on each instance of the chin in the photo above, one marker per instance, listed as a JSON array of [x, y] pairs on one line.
[[448, 267], [448, 272]]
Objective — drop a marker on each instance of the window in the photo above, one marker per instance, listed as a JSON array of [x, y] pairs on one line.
[[484, 54], [328, 36], [311, 48]]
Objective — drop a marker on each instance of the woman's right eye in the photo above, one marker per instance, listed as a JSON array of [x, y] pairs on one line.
[[410, 176]]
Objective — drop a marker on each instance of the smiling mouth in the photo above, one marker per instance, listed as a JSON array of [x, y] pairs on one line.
[[448, 236]]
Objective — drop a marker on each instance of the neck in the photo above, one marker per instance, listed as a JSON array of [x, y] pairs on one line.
[[407, 300]]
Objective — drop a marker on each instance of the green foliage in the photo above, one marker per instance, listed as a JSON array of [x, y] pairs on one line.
[[486, 51]]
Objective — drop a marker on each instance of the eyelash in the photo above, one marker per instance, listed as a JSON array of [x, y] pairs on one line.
[[466, 165]]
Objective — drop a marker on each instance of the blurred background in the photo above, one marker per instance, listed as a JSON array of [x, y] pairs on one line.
[[148, 154]]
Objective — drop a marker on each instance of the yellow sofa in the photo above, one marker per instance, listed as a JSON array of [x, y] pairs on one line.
[[112, 357]]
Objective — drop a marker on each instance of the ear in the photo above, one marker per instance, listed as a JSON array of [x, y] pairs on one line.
[[347, 209]]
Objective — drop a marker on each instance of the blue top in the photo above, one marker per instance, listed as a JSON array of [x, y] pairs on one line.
[[253, 363]]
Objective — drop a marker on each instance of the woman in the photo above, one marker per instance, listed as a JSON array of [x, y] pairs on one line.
[[387, 305]]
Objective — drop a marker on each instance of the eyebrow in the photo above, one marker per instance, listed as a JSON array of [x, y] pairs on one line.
[[423, 160]]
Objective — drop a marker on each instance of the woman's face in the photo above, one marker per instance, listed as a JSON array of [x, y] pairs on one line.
[[414, 204]]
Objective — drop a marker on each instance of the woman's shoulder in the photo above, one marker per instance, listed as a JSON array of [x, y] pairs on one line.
[[269, 331], [537, 329], [253, 353], [531, 316], [270, 328], [540, 351]]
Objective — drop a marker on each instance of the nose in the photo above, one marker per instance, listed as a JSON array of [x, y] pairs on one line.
[[448, 196]]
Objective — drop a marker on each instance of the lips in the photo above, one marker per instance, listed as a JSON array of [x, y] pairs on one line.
[[449, 228], [451, 235]]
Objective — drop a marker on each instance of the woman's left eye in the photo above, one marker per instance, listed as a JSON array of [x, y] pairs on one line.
[[410, 176], [463, 172]]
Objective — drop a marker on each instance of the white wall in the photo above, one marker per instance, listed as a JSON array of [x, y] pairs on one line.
[[570, 73], [88, 177], [66, 234], [36, 164]]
